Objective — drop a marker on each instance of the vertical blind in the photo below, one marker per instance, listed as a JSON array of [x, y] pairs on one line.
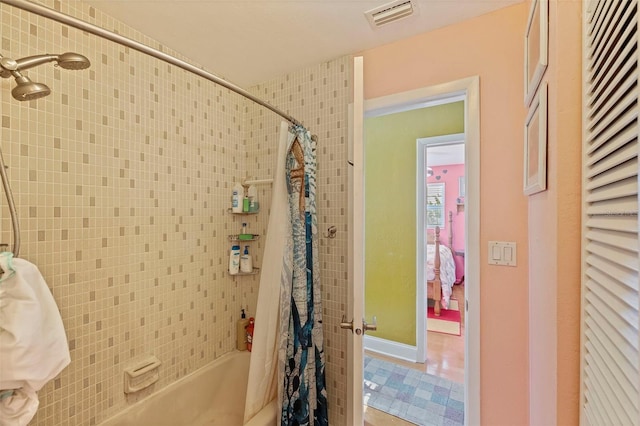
[[610, 341]]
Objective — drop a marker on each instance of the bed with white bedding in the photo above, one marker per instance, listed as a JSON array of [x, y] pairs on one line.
[[447, 271], [440, 273]]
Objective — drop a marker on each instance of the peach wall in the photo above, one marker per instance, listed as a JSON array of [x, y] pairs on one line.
[[554, 233], [489, 46], [567, 52]]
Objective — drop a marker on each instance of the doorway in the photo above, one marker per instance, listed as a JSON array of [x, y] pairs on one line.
[[441, 167], [468, 89], [401, 208], [440, 195]]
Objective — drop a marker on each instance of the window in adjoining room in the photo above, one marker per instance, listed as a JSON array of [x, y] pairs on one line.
[[435, 205]]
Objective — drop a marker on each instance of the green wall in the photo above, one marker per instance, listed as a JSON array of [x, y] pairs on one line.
[[390, 218]]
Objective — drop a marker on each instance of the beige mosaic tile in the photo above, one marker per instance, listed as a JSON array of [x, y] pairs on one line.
[[122, 178]]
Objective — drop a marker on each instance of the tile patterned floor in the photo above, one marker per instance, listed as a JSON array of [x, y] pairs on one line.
[[417, 397], [445, 358]]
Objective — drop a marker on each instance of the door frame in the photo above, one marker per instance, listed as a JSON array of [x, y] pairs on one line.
[[355, 250], [422, 145], [470, 89]]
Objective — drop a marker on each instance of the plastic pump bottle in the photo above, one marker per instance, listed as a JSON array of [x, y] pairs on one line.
[[246, 262], [234, 260], [236, 198]]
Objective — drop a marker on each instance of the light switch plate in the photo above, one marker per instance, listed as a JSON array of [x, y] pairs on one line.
[[502, 253]]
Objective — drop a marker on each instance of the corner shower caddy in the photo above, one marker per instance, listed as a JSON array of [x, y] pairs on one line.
[[236, 238]]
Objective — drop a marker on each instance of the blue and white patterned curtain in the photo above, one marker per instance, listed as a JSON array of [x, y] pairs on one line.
[[304, 394]]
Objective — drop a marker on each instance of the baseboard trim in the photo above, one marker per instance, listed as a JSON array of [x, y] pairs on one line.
[[391, 348]]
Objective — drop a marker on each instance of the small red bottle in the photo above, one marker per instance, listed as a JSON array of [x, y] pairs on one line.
[[250, 333]]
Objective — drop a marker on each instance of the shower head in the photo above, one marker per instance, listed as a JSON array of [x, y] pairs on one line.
[[69, 61], [27, 90], [73, 61]]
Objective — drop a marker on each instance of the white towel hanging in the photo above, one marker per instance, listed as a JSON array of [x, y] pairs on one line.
[[33, 343]]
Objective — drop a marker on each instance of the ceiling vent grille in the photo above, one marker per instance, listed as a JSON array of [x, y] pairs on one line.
[[390, 12]]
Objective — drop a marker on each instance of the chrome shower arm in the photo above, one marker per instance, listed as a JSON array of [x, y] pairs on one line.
[[34, 61], [8, 65]]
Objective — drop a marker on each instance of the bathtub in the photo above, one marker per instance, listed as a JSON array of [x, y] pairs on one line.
[[212, 395]]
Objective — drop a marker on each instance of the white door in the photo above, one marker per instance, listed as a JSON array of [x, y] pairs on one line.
[[356, 251]]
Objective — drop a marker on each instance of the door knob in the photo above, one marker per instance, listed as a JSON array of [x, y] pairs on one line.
[[348, 325], [373, 326]]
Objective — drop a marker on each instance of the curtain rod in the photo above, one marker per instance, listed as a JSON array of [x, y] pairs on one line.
[[101, 32]]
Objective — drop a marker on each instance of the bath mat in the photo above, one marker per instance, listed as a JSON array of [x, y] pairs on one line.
[[448, 322], [413, 396]]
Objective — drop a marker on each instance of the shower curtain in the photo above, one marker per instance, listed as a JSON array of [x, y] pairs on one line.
[[263, 368], [288, 356], [304, 395]]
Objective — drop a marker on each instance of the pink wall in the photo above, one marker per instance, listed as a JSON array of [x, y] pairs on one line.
[[490, 46], [554, 233], [450, 179]]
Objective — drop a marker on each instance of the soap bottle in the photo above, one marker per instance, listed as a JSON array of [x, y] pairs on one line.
[[241, 344], [246, 262], [234, 260], [237, 197]]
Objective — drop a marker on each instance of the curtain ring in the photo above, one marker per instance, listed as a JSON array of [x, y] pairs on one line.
[[331, 232]]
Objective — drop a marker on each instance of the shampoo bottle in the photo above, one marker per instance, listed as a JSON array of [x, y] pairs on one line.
[[237, 196], [241, 344], [234, 260], [246, 262]]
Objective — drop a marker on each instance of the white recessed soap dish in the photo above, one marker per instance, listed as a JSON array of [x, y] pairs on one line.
[[142, 375]]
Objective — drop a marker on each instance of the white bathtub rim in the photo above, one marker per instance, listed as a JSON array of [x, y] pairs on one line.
[[265, 417], [174, 385]]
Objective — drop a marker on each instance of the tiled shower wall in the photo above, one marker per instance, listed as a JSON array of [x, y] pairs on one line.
[[122, 178]]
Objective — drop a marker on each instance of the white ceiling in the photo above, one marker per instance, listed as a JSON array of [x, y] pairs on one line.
[[445, 155], [253, 41]]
